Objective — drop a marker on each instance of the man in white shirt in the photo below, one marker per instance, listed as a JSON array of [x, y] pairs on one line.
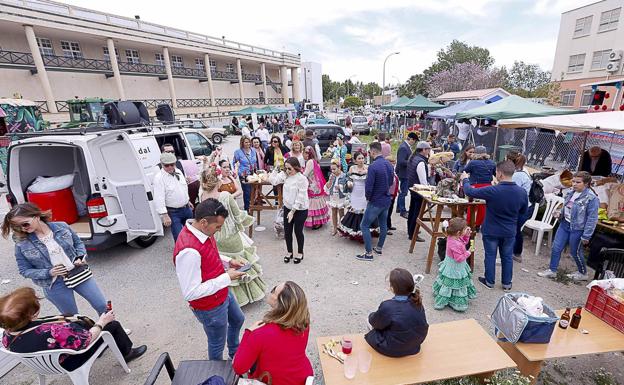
[[171, 195], [204, 277], [464, 131], [263, 133]]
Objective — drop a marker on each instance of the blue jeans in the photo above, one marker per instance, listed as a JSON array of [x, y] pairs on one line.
[[226, 320], [178, 219], [403, 189], [246, 195], [563, 237], [372, 214], [64, 300], [519, 242], [505, 248]]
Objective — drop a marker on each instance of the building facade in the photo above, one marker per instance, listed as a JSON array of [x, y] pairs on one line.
[[51, 52], [311, 81], [589, 50]]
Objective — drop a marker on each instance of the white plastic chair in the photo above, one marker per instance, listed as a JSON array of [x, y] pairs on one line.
[[310, 380], [547, 223], [47, 362], [7, 362]]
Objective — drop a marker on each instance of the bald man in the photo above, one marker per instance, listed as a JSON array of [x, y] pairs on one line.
[[597, 162]]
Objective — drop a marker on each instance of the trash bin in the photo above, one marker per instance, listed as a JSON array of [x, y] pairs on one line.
[[60, 202], [505, 149]]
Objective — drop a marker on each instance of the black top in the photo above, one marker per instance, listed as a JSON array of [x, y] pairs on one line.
[[268, 158], [603, 167]]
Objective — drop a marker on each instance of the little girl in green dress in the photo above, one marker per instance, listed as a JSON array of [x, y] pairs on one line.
[[453, 286]]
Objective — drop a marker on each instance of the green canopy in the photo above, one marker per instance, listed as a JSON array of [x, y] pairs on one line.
[[401, 100], [513, 107], [249, 111], [420, 103]]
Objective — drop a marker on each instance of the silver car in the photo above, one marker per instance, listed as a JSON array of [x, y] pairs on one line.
[[359, 124], [216, 134]]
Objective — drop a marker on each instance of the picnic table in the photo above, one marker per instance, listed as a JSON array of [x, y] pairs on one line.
[[430, 218], [617, 229], [435, 361], [264, 201], [602, 338]]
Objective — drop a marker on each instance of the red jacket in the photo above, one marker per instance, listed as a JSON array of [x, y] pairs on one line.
[[281, 352]]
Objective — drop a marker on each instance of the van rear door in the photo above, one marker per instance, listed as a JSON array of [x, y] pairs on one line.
[[124, 186]]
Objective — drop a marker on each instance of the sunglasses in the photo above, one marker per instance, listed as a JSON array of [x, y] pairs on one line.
[[169, 152], [274, 141]]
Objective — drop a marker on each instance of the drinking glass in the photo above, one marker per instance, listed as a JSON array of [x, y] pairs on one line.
[[347, 345], [350, 366], [364, 361]]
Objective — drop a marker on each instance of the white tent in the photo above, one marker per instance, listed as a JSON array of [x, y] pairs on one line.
[[612, 121]]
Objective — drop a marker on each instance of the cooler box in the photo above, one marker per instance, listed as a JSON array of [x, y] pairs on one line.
[[505, 149], [60, 202]]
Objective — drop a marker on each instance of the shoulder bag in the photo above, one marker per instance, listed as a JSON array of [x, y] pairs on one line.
[[77, 275]]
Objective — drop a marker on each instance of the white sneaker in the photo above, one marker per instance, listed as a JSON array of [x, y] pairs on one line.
[[577, 276], [128, 331], [547, 273]]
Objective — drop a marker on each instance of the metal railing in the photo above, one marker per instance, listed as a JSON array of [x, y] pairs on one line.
[[43, 105], [276, 101], [76, 63], [142, 68], [193, 103], [251, 77], [189, 72], [228, 102], [62, 106], [153, 103], [11, 57], [253, 101]]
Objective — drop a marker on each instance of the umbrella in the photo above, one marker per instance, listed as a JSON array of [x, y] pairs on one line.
[[451, 111], [513, 106]]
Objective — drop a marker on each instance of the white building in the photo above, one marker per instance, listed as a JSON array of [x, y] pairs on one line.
[[487, 95], [311, 81]]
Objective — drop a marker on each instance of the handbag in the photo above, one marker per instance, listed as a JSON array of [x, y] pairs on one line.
[[249, 381], [77, 275]]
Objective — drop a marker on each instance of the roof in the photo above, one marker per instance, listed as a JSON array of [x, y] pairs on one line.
[[513, 107], [470, 94], [610, 82], [596, 121]]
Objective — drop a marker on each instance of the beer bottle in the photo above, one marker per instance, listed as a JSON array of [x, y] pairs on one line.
[[576, 318], [565, 319]]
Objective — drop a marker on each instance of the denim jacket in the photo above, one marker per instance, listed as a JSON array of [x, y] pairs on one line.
[[33, 260], [584, 215], [341, 181]]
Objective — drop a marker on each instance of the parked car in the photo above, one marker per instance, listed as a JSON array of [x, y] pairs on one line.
[[326, 134], [216, 134], [360, 125]]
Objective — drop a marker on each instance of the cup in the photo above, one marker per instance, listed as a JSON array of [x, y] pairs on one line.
[[350, 366], [347, 345], [364, 361]]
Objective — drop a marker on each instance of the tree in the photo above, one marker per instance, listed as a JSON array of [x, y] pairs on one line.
[[415, 85], [370, 90], [528, 80], [327, 87], [352, 101], [465, 76], [459, 52]]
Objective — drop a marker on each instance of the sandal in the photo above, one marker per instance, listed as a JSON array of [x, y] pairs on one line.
[[298, 260], [288, 258]]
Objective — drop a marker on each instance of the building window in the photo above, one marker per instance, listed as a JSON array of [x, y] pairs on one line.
[[213, 65], [583, 25], [45, 46], [609, 20], [176, 61], [132, 56], [576, 63], [261, 95], [567, 98], [71, 49], [159, 59], [600, 59], [586, 98], [107, 54], [199, 64], [229, 67]]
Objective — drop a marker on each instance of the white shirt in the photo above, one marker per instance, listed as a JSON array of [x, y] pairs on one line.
[[295, 190], [56, 252], [421, 171], [567, 210], [170, 191], [464, 130], [188, 269], [354, 139], [245, 132], [263, 134]]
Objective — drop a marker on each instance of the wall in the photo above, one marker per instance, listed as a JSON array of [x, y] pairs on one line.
[[575, 85], [20, 81], [145, 87], [310, 84]]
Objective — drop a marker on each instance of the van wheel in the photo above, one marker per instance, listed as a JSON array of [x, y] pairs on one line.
[[217, 138], [142, 242]]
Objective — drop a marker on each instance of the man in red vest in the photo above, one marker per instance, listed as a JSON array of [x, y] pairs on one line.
[[204, 278]]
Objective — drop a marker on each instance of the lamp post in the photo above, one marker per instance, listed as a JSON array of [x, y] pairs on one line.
[[383, 84], [348, 81]]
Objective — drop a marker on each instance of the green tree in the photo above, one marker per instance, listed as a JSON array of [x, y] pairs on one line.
[[370, 90], [327, 87], [528, 80], [415, 85], [456, 53], [352, 101]]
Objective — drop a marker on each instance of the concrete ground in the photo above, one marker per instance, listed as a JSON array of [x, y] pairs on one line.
[[341, 292]]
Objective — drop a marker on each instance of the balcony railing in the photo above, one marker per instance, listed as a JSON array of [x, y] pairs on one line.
[[142, 68], [228, 102], [251, 77], [153, 103], [188, 72], [10, 57], [43, 105], [194, 103], [80, 63], [253, 101], [224, 75], [62, 106], [276, 101]]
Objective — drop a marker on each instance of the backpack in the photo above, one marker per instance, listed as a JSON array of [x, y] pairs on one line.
[[536, 193]]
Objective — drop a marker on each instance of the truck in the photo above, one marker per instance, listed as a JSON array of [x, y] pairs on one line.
[[85, 112]]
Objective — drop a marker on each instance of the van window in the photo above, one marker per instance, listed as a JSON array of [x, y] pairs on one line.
[[198, 124], [177, 142], [199, 144]]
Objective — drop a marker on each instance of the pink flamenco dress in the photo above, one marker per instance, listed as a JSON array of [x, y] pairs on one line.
[[318, 212]]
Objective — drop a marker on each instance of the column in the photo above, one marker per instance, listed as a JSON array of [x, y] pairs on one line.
[[284, 75], [172, 93], [115, 65], [241, 90], [209, 74], [41, 70], [264, 83], [294, 75]]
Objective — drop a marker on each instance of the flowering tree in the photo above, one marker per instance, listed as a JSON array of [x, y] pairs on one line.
[[465, 76]]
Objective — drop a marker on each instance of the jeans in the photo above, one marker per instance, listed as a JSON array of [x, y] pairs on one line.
[[63, 297], [414, 210], [505, 248], [372, 214], [178, 219], [390, 209], [403, 189], [246, 195], [563, 237], [224, 321], [518, 243], [297, 223]]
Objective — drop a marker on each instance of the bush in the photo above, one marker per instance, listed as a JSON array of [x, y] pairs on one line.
[[352, 101]]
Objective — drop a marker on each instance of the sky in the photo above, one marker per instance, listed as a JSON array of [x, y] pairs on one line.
[[351, 38]]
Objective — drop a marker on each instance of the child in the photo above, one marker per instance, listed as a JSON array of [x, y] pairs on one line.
[[454, 286], [335, 188]]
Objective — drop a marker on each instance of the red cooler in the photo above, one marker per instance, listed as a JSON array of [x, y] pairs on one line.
[[61, 202]]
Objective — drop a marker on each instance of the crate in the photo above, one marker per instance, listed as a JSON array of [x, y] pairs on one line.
[[608, 309]]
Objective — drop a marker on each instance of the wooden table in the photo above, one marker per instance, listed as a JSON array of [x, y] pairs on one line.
[[448, 352], [260, 201], [602, 338], [431, 212], [617, 229]]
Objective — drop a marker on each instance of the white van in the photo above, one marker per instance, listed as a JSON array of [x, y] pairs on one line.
[[113, 170]]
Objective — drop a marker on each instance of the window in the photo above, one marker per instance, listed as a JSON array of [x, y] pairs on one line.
[[199, 64], [176, 61], [45, 46], [71, 49], [586, 98], [261, 95], [583, 25], [567, 98], [600, 59], [576, 63], [213, 65], [107, 55], [609, 20], [159, 59], [132, 56], [229, 67], [199, 144]]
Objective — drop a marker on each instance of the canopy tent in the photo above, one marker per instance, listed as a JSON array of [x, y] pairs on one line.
[[596, 121], [401, 100], [512, 107], [420, 103], [249, 111], [450, 111]]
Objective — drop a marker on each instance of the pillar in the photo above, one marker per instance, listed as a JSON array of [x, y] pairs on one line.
[[209, 74], [172, 93], [294, 75], [264, 83], [115, 65], [41, 70], [284, 75], [241, 90]]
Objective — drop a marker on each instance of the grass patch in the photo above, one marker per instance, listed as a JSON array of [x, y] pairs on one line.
[[394, 144], [562, 276], [602, 377]]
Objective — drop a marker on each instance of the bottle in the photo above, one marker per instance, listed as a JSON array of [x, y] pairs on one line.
[[576, 318], [565, 319], [109, 306]]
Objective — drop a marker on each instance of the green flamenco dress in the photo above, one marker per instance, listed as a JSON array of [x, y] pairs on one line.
[[234, 243], [453, 287]]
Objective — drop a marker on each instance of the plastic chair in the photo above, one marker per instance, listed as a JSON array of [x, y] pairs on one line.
[[613, 260], [47, 362], [7, 362], [547, 223]]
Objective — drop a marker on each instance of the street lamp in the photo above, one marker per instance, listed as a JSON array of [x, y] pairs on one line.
[[383, 84], [348, 80]]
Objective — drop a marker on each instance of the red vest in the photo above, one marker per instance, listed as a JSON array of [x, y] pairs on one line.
[[211, 266]]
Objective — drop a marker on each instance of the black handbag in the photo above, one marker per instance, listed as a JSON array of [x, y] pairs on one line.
[[77, 275]]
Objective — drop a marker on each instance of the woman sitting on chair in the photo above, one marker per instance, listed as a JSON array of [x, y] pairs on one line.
[[25, 332]]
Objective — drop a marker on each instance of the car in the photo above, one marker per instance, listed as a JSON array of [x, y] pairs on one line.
[[216, 134], [326, 134], [360, 125]]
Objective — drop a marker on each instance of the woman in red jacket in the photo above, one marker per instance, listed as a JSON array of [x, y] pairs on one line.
[[276, 346]]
